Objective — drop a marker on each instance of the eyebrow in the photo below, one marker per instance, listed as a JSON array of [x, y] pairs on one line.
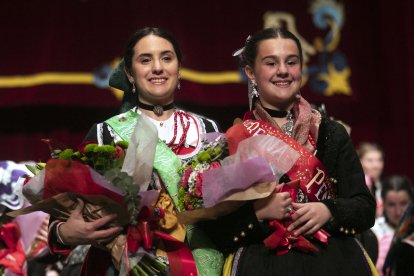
[[288, 57], [162, 53]]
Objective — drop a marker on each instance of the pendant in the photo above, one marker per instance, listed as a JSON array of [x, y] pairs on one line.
[[158, 110]]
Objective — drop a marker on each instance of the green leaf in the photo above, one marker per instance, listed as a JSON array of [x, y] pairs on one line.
[[32, 169], [125, 183], [66, 154], [122, 144], [90, 148]]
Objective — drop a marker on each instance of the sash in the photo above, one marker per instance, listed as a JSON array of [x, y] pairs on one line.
[[208, 260], [308, 172], [308, 169]]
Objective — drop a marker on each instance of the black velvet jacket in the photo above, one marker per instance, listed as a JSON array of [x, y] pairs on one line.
[[353, 210]]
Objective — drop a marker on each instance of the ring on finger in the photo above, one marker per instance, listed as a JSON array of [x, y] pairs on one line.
[[289, 209]]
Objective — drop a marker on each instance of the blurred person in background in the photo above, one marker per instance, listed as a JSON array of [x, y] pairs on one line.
[[399, 260], [371, 156], [397, 194]]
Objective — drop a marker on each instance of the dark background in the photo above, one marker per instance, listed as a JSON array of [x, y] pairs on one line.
[[70, 36]]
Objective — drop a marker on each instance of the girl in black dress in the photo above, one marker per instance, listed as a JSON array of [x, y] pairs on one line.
[[272, 59]]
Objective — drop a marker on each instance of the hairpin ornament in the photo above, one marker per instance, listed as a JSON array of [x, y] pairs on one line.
[[239, 51]]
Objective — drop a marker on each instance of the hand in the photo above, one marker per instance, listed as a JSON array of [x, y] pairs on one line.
[[77, 231], [275, 206], [43, 233], [309, 218]]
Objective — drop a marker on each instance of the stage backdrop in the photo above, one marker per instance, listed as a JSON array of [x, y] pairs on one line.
[[56, 57]]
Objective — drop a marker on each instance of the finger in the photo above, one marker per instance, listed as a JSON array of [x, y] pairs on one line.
[[80, 203], [298, 213], [279, 187], [295, 224], [44, 227], [312, 231], [77, 212], [286, 195], [43, 233], [291, 227], [96, 224], [304, 228], [297, 206], [42, 236], [298, 220], [43, 239], [45, 221]]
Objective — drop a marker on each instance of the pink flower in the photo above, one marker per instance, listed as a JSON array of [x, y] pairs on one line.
[[199, 185], [214, 165], [186, 176]]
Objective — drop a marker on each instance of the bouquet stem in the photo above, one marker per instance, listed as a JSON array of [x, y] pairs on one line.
[[149, 265]]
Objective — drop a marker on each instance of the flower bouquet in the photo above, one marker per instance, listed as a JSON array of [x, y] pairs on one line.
[[110, 180], [190, 194], [257, 158]]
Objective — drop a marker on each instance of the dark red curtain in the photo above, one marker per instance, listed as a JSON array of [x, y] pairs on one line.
[[56, 57]]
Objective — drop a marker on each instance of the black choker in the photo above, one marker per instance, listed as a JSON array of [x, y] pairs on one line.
[[276, 113], [157, 109]]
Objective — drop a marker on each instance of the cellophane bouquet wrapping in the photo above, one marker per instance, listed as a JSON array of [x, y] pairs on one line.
[[110, 180], [215, 185], [214, 181]]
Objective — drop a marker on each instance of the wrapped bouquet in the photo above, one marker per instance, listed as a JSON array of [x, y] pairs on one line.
[[106, 178], [258, 156]]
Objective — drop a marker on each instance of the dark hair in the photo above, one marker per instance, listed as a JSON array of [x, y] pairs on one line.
[[396, 183], [248, 56], [129, 51]]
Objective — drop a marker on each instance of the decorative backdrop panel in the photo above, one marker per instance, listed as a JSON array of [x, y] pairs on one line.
[[56, 57]]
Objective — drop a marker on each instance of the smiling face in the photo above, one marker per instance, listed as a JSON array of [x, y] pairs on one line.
[[277, 72], [154, 70]]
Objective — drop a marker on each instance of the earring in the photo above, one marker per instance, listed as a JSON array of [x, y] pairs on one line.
[[133, 88], [178, 85], [254, 89], [252, 92], [298, 95]]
